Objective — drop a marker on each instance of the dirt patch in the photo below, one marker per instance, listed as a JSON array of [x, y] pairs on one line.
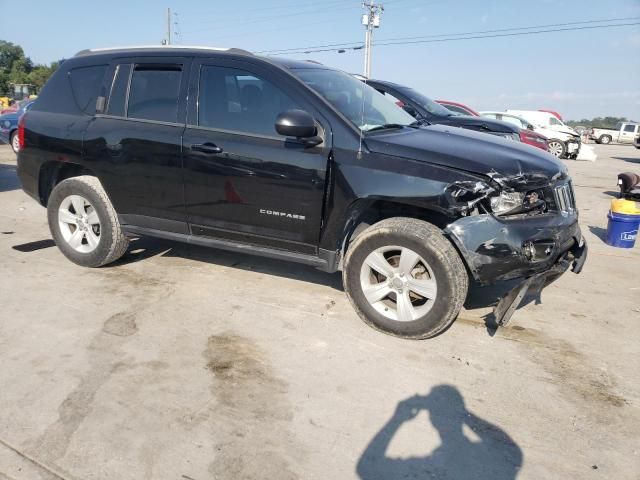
[[121, 325], [252, 412], [570, 370], [104, 353]]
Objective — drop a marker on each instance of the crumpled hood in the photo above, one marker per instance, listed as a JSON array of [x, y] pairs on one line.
[[509, 162], [569, 131]]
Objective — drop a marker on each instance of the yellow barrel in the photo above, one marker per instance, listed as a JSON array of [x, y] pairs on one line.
[[626, 207]]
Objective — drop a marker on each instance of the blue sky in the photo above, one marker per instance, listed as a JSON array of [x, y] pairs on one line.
[[579, 73]]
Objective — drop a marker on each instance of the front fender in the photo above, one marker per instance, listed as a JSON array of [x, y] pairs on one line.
[[379, 179]]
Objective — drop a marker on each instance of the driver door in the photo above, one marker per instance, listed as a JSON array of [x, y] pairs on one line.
[[243, 181]]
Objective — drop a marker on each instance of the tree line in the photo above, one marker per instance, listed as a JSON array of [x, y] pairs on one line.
[[16, 67], [606, 122]]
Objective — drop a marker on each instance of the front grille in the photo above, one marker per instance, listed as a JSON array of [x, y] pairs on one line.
[[565, 200]]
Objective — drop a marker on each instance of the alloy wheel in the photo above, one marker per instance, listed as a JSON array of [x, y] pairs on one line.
[[555, 149], [398, 283], [15, 143], [79, 223]]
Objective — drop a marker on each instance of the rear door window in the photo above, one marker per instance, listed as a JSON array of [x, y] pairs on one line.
[[118, 93], [154, 92], [85, 85]]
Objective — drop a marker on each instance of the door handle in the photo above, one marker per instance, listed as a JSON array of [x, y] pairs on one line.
[[208, 148]]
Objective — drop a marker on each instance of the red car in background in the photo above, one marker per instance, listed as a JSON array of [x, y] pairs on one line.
[[460, 108], [533, 138]]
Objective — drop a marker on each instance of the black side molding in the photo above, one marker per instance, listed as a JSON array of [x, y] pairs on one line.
[[326, 261]]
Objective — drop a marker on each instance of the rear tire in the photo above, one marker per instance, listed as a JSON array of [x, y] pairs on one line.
[[14, 141], [605, 139], [424, 283], [84, 223]]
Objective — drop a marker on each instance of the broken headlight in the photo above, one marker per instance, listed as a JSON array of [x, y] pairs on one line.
[[512, 203], [506, 201]]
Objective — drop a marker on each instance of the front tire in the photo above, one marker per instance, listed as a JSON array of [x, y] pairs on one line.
[[404, 278], [557, 148], [84, 223], [14, 141], [605, 139]]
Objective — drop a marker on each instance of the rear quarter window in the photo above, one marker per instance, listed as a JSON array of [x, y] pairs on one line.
[[85, 85]]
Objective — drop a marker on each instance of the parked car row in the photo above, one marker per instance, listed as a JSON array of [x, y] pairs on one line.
[[296, 161], [425, 110], [542, 128], [561, 142]]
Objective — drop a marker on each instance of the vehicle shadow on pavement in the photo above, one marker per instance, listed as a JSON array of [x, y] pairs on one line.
[[628, 159], [8, 178], [146, 247], [492, 454]]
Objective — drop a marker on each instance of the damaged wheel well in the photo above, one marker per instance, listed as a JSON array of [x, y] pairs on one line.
[[383, 209]]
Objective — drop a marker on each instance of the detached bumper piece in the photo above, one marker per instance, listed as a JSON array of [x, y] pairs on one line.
[[574, 258]]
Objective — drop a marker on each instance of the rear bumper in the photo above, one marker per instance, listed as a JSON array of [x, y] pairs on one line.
[[496, 249], [28, 175]]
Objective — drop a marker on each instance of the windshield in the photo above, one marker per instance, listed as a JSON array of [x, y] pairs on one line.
[[429, 105], [363, 105]]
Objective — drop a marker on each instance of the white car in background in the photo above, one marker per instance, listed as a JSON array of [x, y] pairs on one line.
[[560, 144], [567, 141]]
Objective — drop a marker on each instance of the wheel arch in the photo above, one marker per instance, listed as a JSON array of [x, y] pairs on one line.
[[364, 213], [52, 173]]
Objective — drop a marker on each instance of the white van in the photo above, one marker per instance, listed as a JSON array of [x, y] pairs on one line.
[[567, 135]]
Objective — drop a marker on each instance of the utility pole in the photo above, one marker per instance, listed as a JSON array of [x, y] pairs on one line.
[[168, 26], [370, 20]]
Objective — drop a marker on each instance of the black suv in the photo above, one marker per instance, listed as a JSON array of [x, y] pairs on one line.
[[423, 108], [294, 161]]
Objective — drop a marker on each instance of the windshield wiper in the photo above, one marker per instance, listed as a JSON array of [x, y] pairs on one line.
[[386, 126], [420, 123]]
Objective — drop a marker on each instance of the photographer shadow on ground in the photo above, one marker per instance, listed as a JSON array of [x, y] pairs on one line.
[[494, 456]]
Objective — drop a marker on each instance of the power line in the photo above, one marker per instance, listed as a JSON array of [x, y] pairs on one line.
[[453, 34], [514, 34], [463, 36]]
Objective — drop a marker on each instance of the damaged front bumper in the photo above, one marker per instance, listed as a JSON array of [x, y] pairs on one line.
[[536, 248], [573, 147], [574, 258]]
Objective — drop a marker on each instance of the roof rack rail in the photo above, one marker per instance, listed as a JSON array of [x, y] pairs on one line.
[[89, 51]]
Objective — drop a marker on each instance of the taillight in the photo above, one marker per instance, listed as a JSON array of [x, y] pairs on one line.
[[21, 143]]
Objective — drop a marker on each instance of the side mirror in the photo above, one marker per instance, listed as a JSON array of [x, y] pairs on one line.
[[296, 123]]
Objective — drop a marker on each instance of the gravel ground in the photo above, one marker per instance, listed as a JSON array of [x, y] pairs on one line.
[[182, 362]]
